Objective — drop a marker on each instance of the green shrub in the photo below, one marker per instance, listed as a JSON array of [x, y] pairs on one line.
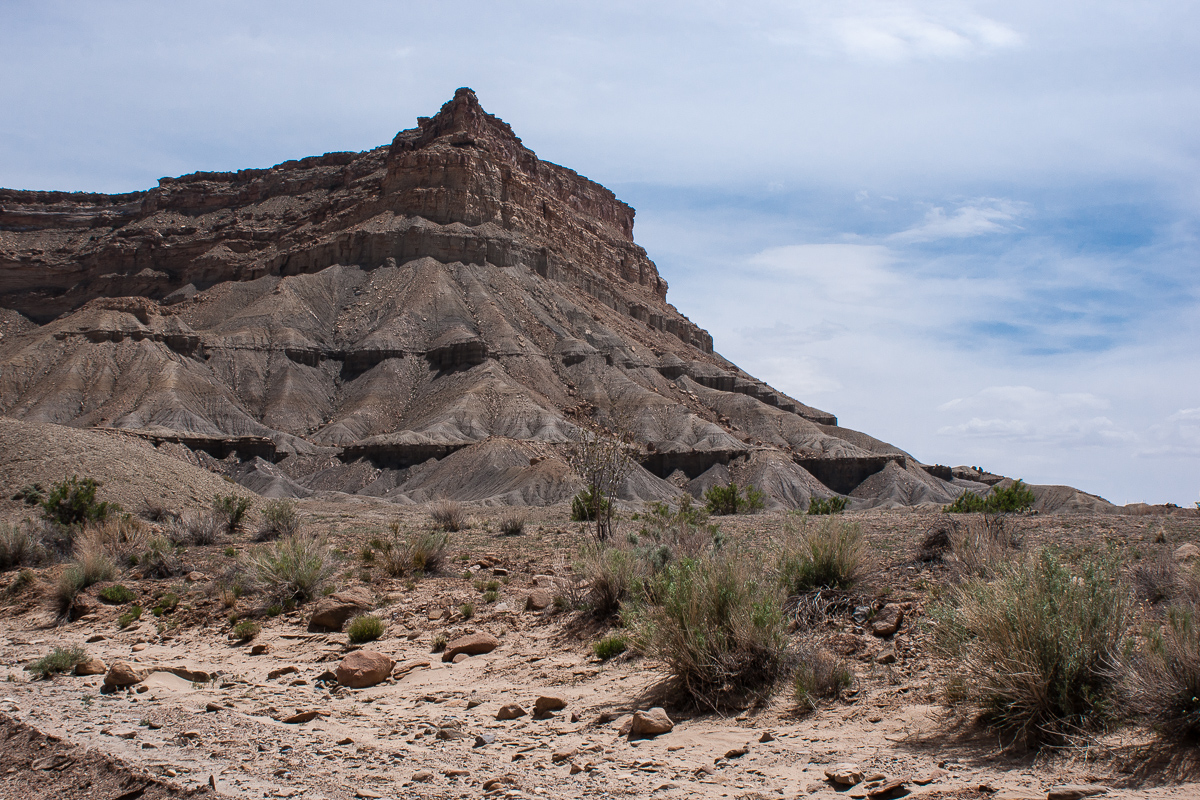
[[610, 646], [588, 505], [365, 628], [18, 547], [246, 630], [491, 596], [717, 626], [166, 604], [159, 559], [467, 610], [61, 659], [1164, 678], [1038, 644], [825, 556], [828, 505], [31, 494], [117, 593], [294, 569], [1013, 498], [73, 502], [448, 515], [279, 519], [819, 674], [129, 617], [724, 500], [230, 511]]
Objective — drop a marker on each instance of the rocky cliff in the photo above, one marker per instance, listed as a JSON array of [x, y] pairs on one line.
[[436, 317]]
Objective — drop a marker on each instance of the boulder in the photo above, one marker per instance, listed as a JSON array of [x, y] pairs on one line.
[[888, 620], [473, 644], [650, 723], [122, 673], [364, 668], [1187, 552], [547, 703], [845, 773], [510, 711], [538, 600], [330, 613], [1074, 791], [93, 666]]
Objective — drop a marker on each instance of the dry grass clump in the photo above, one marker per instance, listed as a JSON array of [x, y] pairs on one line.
[[230, 511], [19, 546], [981, 545], [819, 674], [717, 625], [1163, 680], [827, 555], [295, 568], [512, 522], [448, 516], [91, 565], [612, 575], [123, 538], [1037, 645], [279, 519], [423, 552], [1160, 579], [156, 511]]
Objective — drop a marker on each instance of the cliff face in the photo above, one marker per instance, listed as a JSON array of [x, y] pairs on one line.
[[388, 320]]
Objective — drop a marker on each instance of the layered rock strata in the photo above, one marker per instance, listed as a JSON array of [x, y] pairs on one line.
[[434, 318]]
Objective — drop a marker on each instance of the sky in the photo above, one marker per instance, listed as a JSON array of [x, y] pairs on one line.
[[969, 228]]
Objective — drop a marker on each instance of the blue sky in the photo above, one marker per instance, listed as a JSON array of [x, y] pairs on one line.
[[968, 228]]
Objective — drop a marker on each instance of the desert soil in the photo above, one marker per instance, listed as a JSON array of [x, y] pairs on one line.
[[416, 735]]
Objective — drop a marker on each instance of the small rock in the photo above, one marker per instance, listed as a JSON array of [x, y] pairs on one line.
[[888, 620], [407, 667], [575, 768], [459, 658], [929, 776], [436, 613], [845, 773], [95, 637], [1074, 791], [451, 734], [456, 773], [474, 700], [122, 673], [474, 644], [364, 668], [139, 647], [538, 600], [767, 736], [93, 666], [196, 577], [260, 649], [330, 613], [563, 755], [737, 752], [422, 776], [650, 723], [279, 673], [574, 716], [886, 656], [367, 794], [500, 572], [547, 703], [303, 716], [213, 707], [887, 790], [510, 711], [484, 739]]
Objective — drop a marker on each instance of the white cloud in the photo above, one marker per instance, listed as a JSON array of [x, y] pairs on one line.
[[832, 272], [977, 218], [888, 33], [1026, 414], [1177, 435]]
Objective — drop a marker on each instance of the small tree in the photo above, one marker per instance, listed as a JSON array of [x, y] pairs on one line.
[[73, 502], [603, 461]]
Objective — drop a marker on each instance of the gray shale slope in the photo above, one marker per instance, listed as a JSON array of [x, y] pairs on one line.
[[439, 317]]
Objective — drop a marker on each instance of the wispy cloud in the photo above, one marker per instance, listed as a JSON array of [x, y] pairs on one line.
[[1026, 414], [890, 33], [976, 218]]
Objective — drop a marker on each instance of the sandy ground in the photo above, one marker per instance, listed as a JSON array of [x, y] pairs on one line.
[[400, 738]]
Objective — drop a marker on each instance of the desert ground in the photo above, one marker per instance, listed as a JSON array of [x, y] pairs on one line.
[[218, 714]]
